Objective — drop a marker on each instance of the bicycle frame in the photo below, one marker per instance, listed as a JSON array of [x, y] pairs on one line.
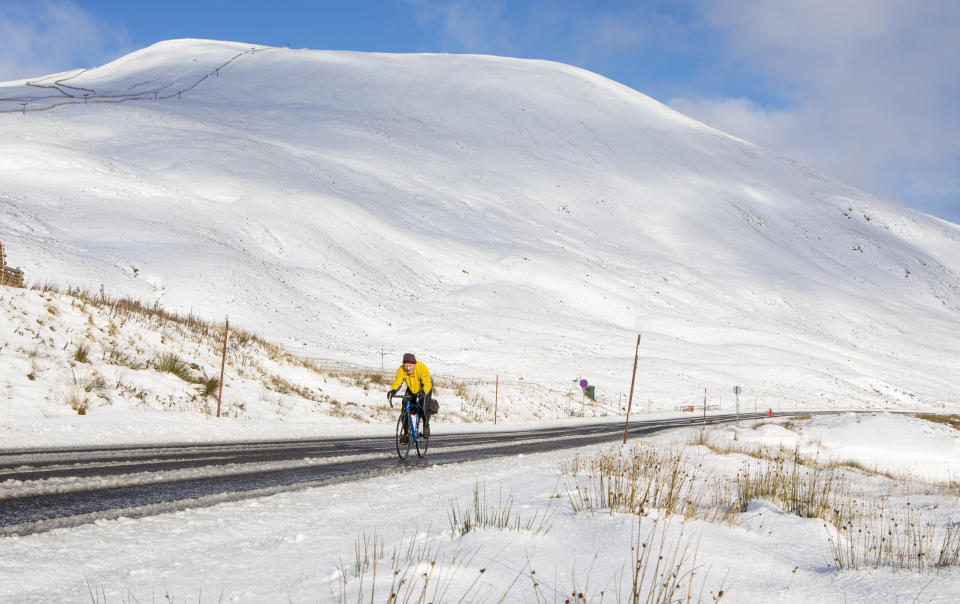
[[409, 423], [412, 410]]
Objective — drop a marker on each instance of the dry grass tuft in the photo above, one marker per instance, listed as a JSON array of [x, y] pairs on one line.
[[635, 481], [949, 420], [873, 536], [418, 569], [116, 356], [808, 492], [208, 386], [860, 535], [94, 383], [76, 400], [173, 364], [81, 353], [483, 513]]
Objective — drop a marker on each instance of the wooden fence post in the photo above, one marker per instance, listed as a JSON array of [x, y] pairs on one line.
[[633, 378], [223, 363], [496, 399]]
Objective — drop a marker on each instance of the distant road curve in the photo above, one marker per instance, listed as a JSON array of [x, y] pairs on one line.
[[54, 488]]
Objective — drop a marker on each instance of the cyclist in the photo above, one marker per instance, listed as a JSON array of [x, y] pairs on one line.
[[419, 387]]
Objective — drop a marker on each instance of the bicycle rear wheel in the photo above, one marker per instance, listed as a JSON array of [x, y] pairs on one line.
[[422, 442], [403, 449]]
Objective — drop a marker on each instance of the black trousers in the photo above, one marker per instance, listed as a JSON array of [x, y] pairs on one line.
[[424, 411]]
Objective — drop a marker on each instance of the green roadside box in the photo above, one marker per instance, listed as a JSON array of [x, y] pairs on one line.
[[590, 392]]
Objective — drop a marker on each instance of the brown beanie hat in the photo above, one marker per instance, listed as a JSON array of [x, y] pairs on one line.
[[409, 358]]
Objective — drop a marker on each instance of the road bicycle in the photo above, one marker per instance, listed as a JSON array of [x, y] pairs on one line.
[[408, 424]]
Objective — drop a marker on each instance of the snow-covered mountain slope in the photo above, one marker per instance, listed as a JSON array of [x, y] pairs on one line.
[[494, 215]]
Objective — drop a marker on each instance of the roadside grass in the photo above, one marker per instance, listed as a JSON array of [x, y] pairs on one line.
[[482, 513], [75, 399], [94, 383], [207, 386], [285, 386], [249, 356], [173, 364], [665, 568], [123, 306], [419, 569], [772, 453], [634, 481], [949, 420], [807, 492], [98, 595], [116, 356], [873, 536], [75, 395], [861, 530], [660, 566], [81, 353]]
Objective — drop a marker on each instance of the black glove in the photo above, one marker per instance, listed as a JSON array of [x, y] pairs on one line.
[[390, 396], [420, 398]]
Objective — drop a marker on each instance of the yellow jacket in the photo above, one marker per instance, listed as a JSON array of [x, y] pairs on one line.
[[420, 375]]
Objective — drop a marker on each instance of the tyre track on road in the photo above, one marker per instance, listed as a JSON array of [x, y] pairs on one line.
[[43, 490]]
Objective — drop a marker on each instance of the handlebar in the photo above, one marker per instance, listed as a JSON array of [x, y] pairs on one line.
[[390, 398]]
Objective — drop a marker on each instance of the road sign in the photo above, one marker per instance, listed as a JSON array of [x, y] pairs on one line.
[[584, 383], [737, 389]]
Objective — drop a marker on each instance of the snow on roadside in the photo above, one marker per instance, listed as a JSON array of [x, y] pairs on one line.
[[888, 443], [303, 545], [62, 353]]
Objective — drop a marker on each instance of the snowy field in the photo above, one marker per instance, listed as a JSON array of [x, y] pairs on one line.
[[532, 535]]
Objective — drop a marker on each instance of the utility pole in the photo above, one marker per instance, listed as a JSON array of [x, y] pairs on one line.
[[737, 390], [633, 377], [704, 407], [496, 399]]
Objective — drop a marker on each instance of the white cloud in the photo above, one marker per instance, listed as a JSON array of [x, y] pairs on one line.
[[870, 89], [578, 31], [467, 25], [49, 36]]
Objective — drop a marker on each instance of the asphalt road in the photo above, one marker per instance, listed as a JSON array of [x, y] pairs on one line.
[[67, 487]]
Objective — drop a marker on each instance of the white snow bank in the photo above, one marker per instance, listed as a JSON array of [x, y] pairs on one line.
[[267, 393], [288, 547], [890, 443]]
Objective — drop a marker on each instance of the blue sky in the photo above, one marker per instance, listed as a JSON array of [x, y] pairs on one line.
[[867, 91]]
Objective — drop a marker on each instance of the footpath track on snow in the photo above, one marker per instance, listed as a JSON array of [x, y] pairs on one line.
[[54, 488]]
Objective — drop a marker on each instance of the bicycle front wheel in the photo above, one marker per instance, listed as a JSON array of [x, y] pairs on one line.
[[403, 434], [421, 442]]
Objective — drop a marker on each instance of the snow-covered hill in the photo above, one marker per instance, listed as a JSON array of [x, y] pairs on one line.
[[496, 216]]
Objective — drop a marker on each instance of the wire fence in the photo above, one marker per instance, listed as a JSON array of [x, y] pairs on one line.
[[611, 403], [64, 94]]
